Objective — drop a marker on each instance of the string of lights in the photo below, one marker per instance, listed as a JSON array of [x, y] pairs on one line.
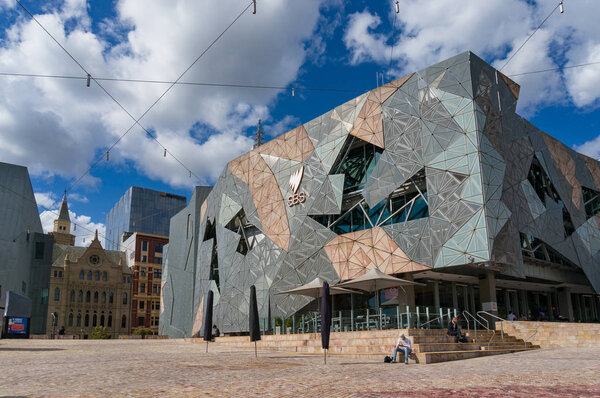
[[136, 121]]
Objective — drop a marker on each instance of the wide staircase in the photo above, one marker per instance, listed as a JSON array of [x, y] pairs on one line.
[[429, 345]]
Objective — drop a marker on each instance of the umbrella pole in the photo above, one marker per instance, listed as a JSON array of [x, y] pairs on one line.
[[255, 353], [325, 356], [207, 347]]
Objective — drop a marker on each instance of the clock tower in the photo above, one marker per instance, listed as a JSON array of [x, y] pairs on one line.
[[62, 225]]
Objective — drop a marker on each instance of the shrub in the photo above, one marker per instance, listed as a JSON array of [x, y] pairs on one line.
[[142, 331], [100, 332]]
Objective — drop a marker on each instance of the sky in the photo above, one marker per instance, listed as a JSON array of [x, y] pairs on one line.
[[61, 129]]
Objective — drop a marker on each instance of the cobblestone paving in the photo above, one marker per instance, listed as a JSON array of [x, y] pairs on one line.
[[130, 368]]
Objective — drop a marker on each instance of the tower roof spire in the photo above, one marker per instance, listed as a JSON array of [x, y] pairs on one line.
[[64, 209]]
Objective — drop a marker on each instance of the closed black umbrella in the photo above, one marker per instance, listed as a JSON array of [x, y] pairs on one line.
[[208, 323], [253, 318], [325, 319]]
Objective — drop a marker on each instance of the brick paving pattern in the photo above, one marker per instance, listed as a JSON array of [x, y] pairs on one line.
[[134, 368]]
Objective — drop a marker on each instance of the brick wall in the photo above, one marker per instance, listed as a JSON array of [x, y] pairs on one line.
[[555, 334]]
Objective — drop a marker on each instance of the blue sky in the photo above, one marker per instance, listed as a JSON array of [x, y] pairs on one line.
[[58, 127]]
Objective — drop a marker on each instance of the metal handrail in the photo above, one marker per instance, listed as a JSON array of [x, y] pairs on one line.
[[435, 319], [533, 334], [475, 320], [496, 317]]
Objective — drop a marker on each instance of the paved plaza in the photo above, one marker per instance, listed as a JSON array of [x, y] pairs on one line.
[[131, 368]]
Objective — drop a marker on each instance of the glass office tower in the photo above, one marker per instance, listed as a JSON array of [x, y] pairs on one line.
[[141, 210]]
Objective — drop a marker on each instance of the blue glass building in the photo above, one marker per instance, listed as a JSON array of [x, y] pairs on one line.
[[141, 210]]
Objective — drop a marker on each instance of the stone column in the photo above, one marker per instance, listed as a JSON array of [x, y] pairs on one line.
[[549, 312], [507, 302], [454, 296], [407, 296], [515, 303], [436, 295], [466, 298], [594, 308], [523, 299], [472, 307], [565, 307], [487, 295]]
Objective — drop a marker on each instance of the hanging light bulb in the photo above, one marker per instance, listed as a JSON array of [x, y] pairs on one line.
[[254, 3], [190, 173], [561, 8], [293, 92], [107, 156], [87, 83], [398, 7], [165, 153]]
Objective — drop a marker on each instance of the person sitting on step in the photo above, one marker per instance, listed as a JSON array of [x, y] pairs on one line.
[[403, 344], [454, 330]]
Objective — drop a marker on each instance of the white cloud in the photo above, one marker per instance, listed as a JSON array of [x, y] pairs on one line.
[[61, 126], [47, 200], [282, 126], [78, 198], [590, 148], [433, 31], [82, 226]]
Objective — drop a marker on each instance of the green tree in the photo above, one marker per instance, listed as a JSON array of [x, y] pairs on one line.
[[100, 332], [142, 331]]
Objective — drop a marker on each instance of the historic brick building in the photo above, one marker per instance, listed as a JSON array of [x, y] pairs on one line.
[[145, 253]]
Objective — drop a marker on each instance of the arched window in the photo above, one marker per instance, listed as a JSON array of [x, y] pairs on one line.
[[123, 321], [72, 296], [109, 320], [78, 319], [95, 320], [56, 294], [89, 275], [102, 320], [103, 298], [87, 320], [110, 298], [70, 319], [81, 274], [97, 275], [88, 295], [80, 296], [104, 276], [124, 298], [96, 297]]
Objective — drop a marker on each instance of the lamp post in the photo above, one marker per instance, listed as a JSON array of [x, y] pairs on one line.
[[53, 324]]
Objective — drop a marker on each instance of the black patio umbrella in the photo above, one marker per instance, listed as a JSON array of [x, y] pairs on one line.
[[325, 319], [253, 318], [208, 323]]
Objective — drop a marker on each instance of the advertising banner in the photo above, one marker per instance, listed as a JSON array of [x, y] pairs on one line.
[[17, 325]]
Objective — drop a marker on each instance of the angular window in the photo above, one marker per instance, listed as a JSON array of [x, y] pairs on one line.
[[72, 296], [80, 296], [544, 188], [142, 288], [142, 305], [356, 161], [88, 296], [104, 276], [87, 320], [110, 298], [158, 248], [102, 320], [109, 324], [123, 321], [143, 272], [103, 297], [97, 275], [81, 275], [44, 296], [89, 275], [145, 245], [95, 297], [95, 320], [124, 298], [406, 203], [535, 248], [591, 200], [70, 321], [78, 319], [56, 294]]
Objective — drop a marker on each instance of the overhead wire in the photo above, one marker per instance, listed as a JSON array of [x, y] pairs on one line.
[[204, 84], [530, 36], [136, 121], [393, 33]]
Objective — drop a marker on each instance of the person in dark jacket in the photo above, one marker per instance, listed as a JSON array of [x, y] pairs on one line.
[[454, 330]]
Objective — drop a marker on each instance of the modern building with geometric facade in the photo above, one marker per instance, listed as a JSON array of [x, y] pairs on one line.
[[431, 177]]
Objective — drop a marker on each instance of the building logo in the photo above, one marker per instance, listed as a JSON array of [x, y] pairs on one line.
[[295, 180]]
